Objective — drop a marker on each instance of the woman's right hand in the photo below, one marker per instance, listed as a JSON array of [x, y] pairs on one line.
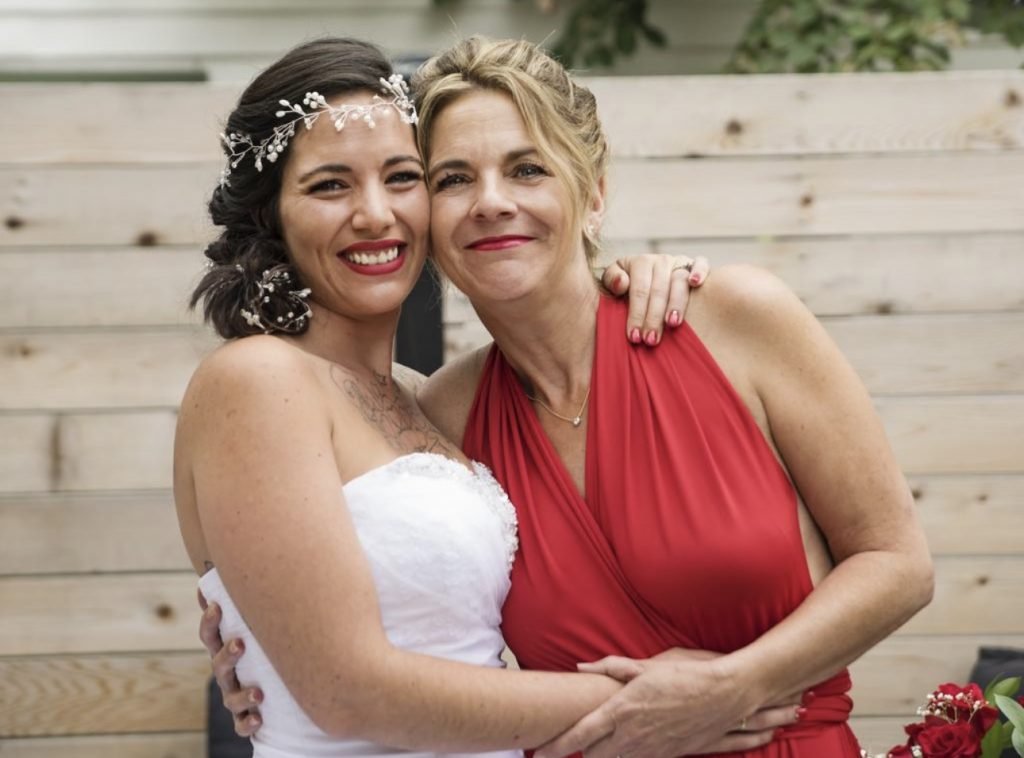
[[243, 702], [756, 730]]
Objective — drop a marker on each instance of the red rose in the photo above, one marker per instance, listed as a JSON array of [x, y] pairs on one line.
[[913, 730], [957, 740], [916, 728]]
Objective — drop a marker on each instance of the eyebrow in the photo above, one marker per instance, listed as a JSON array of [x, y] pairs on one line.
[[459, 163], [341, 168]]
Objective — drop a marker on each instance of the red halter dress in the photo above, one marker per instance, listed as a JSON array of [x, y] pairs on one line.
[[688, 535]]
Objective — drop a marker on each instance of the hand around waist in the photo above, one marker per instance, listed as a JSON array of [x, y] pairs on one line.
[[677, 704]]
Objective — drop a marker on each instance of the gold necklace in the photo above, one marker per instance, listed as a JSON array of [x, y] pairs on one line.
[[575, 420]]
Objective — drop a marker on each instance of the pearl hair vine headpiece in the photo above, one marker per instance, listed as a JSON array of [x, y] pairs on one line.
[[277, 306], [240, 145]]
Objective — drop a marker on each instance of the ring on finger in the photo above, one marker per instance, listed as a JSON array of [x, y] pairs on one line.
[[688, 266]]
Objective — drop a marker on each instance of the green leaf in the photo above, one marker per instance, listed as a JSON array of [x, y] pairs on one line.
[[1018, 741], [990, 689], [992, 742], [1007, 687], [1013, 710]]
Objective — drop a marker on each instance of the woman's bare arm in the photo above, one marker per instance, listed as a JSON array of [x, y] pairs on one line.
[[274, 519], [823, 423]]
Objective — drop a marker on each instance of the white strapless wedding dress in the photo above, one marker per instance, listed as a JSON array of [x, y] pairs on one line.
[[440, 540]]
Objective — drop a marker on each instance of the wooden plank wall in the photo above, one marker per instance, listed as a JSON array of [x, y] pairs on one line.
[[229, 39], [893, 204]]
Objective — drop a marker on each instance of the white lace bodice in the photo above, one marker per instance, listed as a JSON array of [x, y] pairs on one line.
[[440, 540]]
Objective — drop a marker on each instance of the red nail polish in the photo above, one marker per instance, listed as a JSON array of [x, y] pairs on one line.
[[800, 712], [617, 282], [651, 338], [634, 336], [674, 319], [694, 279], [808, 697]]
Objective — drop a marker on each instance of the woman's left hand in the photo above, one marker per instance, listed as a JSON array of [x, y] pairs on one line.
[[669, 707], [659, 289]]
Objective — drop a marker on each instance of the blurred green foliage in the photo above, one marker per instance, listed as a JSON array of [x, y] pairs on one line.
[[804, 36], [598, 31], [800, 36]]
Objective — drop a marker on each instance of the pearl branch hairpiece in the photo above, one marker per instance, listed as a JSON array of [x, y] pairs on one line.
[[239, 145]]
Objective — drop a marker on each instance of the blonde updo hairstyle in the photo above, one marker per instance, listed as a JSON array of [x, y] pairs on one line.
[[560, 114]]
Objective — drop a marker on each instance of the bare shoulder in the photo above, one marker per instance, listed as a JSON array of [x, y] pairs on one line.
[[447, 395], [750, 305], [243, 373], [746, 293]]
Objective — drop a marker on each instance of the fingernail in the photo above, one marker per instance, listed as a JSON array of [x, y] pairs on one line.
[[255, 721], [617, 281], [800, 712], [694, 279], [674, 319], [255, 697], [237, 647], [651, 338], [634, 336], [808, 697]]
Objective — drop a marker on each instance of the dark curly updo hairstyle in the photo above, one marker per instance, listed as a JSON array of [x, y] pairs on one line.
[[246, 205]]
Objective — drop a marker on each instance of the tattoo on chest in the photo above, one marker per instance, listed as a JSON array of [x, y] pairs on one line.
[[385, 406]]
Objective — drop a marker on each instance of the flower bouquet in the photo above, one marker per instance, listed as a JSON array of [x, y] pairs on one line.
[[962, 722]]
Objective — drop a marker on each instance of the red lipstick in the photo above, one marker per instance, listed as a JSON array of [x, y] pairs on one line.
[[374, 257], [503, 242]]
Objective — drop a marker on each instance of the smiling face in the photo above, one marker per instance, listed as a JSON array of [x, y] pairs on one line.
[[354, 211], [501, 221]]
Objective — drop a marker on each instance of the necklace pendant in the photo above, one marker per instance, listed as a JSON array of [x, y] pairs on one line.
[[577, 421]]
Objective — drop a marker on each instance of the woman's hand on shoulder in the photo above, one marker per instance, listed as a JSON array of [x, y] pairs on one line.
[[659, 290]]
